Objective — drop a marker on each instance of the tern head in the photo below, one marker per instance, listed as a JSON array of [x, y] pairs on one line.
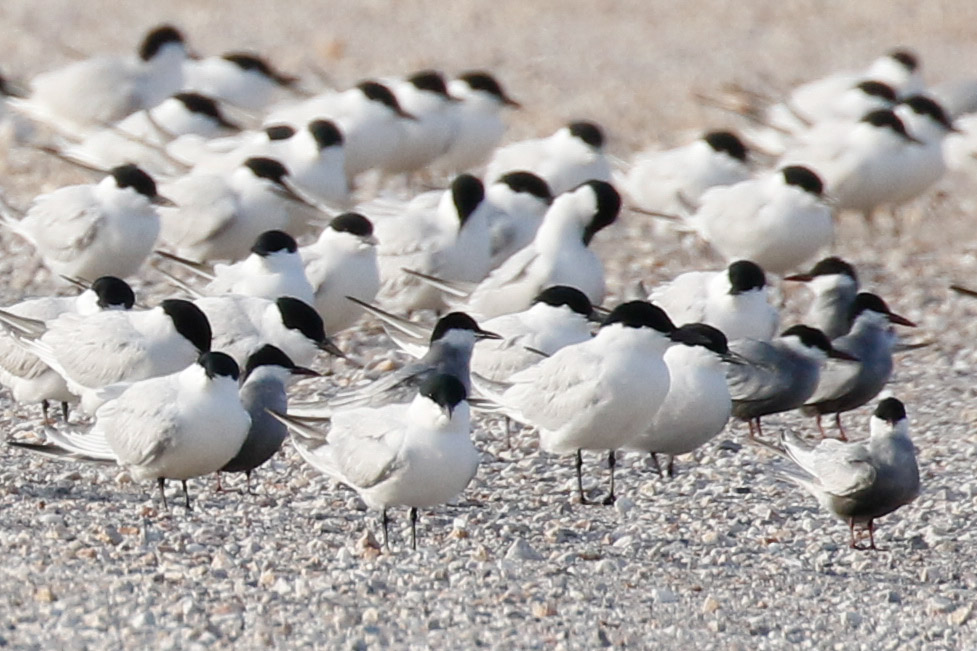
[[906, 58], [889, 419], [527, 183], [252, 63], [445, 390], [607, 205], [570, 297], [481, 81], [113, 293], [886, 119], [878, 89], [271, 242], [587, 132], [355, 224], [726, 142], [300, 316], [267, 168], [745, 276], [459, 322], [813, 343], [926, 106], [830, 266], [131, 176], [202, 105], [190, 321], [272, 356], [377, 92], [641, 314], [467, 193], [431, 81], [867, 302], [219, 365], [279, 132], [326, 134], [803, 178], [708, 337], [157, 39]]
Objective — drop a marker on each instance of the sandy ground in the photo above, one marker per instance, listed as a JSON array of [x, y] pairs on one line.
[[691, 562]]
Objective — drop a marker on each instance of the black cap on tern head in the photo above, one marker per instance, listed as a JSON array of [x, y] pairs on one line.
[[907, 58], [130, 176], [728, 142], [560, 295], [486, 83], [252, 62], [190, 321], [279, 132], [269, 355], [272, 242], [325, 133], [352, 222], [446, 390], [298, 315], [267, 168], [522, 181], [454, 321], [803, 178], [810, 337], [197, 103], [700, 334], [830, 266], [745, 275], [431, 81], [866, 301], [877, 89], [608, 207], [219, 365], [891, 411], [884, 118], [589, 132], [377, 92], [467, 193], [113, 292], [923, 105], [640, 314], [156, 39]]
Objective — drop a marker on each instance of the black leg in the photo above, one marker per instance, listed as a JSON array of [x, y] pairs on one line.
[[247, 479], [186, 495], [611, 464], [384, 521], [654, 461], [64, 411], [841, 430], [508, 432], [583, 498], [749, 424], [220, 487], [821, 427], [413, 528], [759, 430], [671, 466], [45, 405], [162, 491]]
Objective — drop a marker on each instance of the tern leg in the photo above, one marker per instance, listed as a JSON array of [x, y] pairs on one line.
[[384, 522], [658, 468], [247, 479], [851, 531], [508, 435], [64, 410], [220, 488], [413, 528], [162, 491], [186, 495], [671, 466], [611, 464], [583, 498], [871, 535], [820, 427], [759, 430], [45, 405], [841, 430]]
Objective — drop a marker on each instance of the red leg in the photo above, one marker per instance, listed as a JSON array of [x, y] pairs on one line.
[[820, 427]]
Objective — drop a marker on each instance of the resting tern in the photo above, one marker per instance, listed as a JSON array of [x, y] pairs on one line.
[[419, 454], [423, 95], [241, 79], [480, 126], [178, 426], [734, 300], [517, 201], [598, 394], [93, 230], [273, 269], [342, 262], [835, 284], [846, 386], [28, 378], [778, 375], [863, 480]]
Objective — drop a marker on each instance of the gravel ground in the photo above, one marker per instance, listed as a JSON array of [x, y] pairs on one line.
[[722, 556]]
